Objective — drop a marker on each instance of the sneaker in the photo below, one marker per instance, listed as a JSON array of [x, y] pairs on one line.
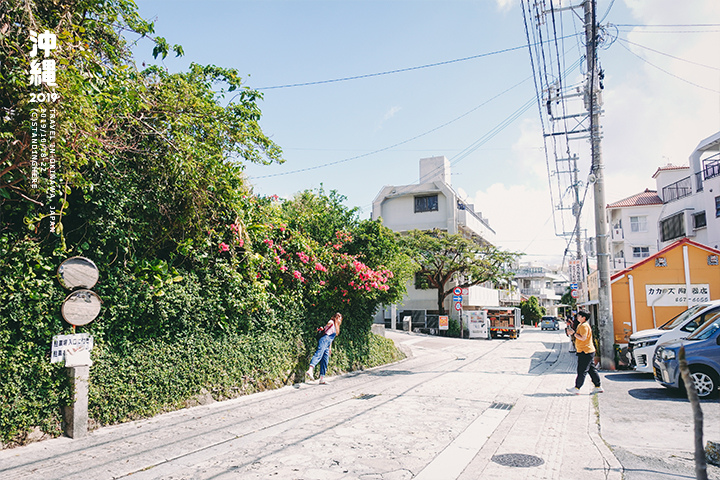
[[309, 373], [574, 391], [597, 390], [323, 381]]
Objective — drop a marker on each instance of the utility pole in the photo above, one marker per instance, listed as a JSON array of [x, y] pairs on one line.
[[605, 320]]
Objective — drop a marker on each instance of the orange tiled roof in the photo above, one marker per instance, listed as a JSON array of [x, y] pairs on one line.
[[648, 197], [670, 167]]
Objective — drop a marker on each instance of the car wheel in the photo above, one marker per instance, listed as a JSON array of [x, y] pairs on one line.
[[706, 381]]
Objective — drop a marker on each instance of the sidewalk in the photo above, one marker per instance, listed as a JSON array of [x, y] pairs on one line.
[[452, 411], [549, 424]]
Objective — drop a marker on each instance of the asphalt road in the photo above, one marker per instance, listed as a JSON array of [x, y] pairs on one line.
[[454, 410]]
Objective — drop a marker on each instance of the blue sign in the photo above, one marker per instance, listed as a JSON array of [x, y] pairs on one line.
[[457, 298], [573, 286]]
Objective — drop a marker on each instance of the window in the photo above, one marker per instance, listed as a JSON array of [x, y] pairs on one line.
[[673, 227], [638, 224], [427, 203], [717, 206], [641, 252], [699, 220]]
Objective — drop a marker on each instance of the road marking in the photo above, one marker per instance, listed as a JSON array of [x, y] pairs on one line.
[[452, 461]]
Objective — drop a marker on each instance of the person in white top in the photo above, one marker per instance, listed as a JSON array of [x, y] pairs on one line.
[[322, 354]]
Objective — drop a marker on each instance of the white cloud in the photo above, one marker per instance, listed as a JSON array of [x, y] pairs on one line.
[[522, 218], [388, 115]]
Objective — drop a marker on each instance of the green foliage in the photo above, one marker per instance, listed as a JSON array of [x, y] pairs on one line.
[[568, 299], [155, 376], [440, 257], [531, 310], [152, 189]]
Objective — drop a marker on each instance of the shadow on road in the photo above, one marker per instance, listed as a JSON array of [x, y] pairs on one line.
[[390, 373], [629, 377], [545, 395]]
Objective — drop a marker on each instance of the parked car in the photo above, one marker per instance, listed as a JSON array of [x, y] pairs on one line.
[[549, 323], [702, 352], [641, 347]]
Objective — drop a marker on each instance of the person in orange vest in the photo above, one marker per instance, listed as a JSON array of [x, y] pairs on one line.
[[585, 354]]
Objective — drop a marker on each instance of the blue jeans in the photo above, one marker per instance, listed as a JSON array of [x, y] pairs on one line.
[[322, 354]]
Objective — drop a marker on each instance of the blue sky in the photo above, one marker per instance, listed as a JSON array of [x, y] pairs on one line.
[[375, 129]]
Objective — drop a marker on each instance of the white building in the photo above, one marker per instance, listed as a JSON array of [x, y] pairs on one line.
[[633, 228], [433, 204], [685, 204], [691, 205], [542, 283]]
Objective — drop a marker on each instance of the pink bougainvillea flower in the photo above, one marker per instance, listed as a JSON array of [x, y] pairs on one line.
[[224, 247], [320, 267], [241, 242], [322, 282], [303, 257]]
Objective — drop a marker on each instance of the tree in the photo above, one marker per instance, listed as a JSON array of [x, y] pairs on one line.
[[568, 299], [531, 310], [440, 257]]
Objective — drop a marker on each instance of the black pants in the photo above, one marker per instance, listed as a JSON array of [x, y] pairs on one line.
[[586, 365]]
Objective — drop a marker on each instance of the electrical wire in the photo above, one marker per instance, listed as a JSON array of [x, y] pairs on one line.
[[667, 54], [367, 154], [391, 72], [668, 73]]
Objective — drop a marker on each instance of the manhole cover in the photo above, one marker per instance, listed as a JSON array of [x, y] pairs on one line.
[[366, 396], [518, 460]]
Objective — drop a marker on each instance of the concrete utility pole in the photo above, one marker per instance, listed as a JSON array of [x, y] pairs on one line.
[[605, 320]]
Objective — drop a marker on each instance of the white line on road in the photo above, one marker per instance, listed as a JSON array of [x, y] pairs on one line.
[[458, 455]]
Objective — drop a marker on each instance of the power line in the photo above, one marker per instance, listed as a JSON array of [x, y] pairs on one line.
[[390, 72], [668, 55], [668, 73], [669, 25], [356, 157]]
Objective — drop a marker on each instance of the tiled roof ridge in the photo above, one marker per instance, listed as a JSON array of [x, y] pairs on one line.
[[648, 197]]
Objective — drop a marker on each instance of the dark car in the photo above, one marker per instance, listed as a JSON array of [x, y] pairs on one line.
[[549, 323], [702, 351]]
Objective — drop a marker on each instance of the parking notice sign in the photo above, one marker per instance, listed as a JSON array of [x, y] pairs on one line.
[[458, 306]]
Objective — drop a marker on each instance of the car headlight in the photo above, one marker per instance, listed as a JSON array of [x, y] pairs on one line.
[[667, 354], [645, 343]]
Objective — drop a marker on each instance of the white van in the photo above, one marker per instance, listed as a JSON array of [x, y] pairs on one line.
[[642, 344]]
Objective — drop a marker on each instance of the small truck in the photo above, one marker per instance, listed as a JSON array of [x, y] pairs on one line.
[[503, 322]]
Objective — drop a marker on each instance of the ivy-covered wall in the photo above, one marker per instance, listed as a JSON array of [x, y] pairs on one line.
[[207, 288]]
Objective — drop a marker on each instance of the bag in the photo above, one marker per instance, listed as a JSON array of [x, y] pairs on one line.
[[319, 333]]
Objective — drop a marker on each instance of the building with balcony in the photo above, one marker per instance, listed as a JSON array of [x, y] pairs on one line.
[[633, 228], [685, 204], [543, 283], [433, 204]]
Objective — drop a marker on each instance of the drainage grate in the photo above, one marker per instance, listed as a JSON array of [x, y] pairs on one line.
[[366, 396], [501, 406], [518, 460], [460, 358]]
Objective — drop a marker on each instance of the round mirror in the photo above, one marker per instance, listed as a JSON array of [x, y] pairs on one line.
[[78, 272], [81, 307]]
